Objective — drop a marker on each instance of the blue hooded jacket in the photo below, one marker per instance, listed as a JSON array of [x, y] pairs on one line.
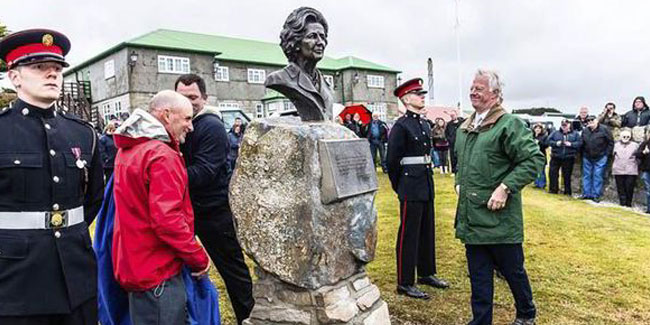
[[202, 296]]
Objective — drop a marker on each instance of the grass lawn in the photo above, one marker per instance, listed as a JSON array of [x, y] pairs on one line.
[[587, 264]]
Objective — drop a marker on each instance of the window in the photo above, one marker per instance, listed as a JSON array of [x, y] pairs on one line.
[[107, 111], [288, 105], [256, 76], [221, 73], [228, 105], [109, 69], [329, 79], [173, 64], [378, 108], [259, 111], [375, 81]]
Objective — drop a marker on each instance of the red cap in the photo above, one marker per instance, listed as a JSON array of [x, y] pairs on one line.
[[34, 45], [410, 86]]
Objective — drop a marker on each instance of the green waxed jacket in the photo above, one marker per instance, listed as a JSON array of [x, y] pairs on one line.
[[500, 150]]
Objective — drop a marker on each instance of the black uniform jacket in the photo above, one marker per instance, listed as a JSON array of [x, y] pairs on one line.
[[410, 137], [47, 271]]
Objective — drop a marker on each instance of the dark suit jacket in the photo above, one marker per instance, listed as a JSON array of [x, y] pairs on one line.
[[312, 105]]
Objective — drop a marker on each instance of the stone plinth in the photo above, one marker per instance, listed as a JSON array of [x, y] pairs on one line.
[[309, 230]]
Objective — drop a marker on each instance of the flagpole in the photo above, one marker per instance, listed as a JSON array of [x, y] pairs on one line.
[[458, 64]]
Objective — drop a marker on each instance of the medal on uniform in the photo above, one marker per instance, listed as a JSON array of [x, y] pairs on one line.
[[76, 151]]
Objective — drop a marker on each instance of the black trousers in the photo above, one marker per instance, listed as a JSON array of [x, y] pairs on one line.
[[416, 241], [509, 259], [554, 174], [453, 158], [84, 314], [378, 146], [625, 188], [217, 233]]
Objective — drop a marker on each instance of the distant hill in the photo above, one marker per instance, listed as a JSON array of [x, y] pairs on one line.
[[536, 111]]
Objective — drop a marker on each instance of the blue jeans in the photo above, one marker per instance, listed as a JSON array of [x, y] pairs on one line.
[[540, 181], [592, 176], [645, 176]]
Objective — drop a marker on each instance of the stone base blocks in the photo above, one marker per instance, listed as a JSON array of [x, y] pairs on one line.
[[354, 301]]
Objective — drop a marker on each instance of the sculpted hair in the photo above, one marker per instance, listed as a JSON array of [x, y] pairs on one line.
[[294, 29], [494, 81], [188, 79]]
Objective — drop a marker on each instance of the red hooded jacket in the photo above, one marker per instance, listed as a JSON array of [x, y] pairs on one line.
[[153, 234]]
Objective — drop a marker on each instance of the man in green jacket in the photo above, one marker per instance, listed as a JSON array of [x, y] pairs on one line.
[[497, 157]]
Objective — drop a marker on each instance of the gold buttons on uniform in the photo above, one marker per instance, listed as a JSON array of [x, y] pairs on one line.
[[52, 152], [55, 207], [57, 234], [55, 179], [47, 126], [16, 162], [25, 111]]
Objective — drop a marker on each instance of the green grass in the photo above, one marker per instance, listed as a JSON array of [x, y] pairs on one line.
[[587, 264]]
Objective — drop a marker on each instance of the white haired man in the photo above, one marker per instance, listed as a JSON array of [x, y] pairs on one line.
[[497, 157]]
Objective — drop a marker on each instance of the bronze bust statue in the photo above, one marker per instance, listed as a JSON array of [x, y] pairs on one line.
[[303, 40]]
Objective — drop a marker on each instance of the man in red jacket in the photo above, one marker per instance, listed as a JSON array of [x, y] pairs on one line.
[[154, 223]]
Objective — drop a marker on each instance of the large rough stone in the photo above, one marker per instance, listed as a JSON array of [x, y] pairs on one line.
[[342, 311], [379, 316], [279, 315], [368, 297], [276, 200]]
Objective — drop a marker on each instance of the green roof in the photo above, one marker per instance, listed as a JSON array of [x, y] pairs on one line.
[[272, 94], [229, 49]]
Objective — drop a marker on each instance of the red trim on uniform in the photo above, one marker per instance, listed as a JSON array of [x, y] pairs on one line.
[[401, 245], [32, 48]]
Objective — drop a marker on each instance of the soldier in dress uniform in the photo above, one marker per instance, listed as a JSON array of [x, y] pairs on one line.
[[51, 189], [409, 170]]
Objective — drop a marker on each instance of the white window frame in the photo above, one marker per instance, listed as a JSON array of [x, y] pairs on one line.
[[329, 79], [256, 76], [379, 108], [109, 69], [221, 73], [259, 110], [173, 64], [228, 105], [375, 81]]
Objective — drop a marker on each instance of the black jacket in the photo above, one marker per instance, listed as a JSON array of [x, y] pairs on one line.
[[634, 118], [107, 150], [205, 151], [644, 159], [39, 272], [597, 143], [561, 151], [450, 130], [410, 137]]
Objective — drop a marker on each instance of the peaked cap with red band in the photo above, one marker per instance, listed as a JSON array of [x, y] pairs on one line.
[[410, 86], [33, 46]]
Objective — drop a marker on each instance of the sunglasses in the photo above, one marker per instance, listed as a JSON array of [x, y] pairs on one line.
[[625, 137]]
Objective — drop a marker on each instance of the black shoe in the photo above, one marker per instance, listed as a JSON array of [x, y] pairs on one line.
[[582, 197], [595, 199], [499, 275], [433, 281], [524, 321], [413, 292]]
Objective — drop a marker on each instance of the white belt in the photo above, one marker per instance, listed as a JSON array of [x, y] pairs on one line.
[[420, 160], [41, 220]]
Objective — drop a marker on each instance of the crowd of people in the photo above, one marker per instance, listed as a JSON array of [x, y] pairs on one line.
[[601, 144]]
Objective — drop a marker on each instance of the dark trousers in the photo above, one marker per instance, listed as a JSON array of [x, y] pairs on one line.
[[217, 233], [166, 304], [453, 158], [84, 314], [625, 187], [554, 174], [378, 146], [509, 259], [444, 162], [416, 241]]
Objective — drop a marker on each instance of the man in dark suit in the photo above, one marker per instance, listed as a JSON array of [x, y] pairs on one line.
[[51, 182], [409, 170]]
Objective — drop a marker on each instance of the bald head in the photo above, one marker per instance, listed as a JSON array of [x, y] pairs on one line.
[[174, 111]]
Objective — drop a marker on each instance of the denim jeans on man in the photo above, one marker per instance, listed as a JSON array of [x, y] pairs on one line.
[[645, 176], [163, 305], [509, 259], [377, 145], [593, 172]]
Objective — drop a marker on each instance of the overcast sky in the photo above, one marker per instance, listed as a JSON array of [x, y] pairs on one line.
[[561, 54]]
